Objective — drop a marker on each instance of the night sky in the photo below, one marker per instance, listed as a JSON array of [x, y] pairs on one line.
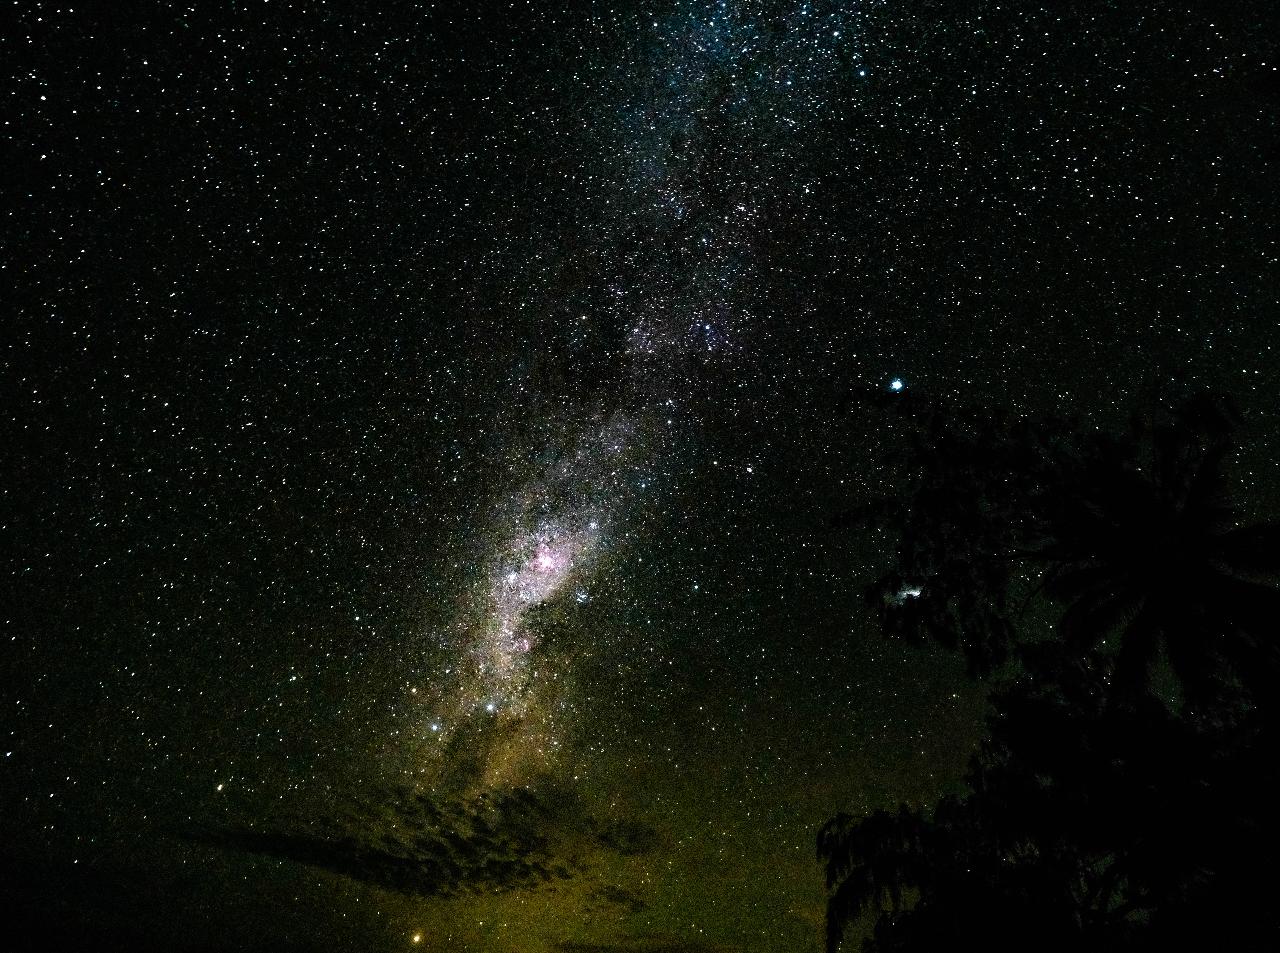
[[423, 426]]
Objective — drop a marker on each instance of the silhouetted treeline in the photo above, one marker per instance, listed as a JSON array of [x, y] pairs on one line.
[[1124, 799]]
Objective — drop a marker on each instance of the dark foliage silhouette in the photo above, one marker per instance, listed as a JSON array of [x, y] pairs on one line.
[[1152, 557], [1102, 813], [1133, 539]]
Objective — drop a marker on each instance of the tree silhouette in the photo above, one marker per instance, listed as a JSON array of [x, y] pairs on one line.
[[1151, 557], [1132, 537], [1096, 816]]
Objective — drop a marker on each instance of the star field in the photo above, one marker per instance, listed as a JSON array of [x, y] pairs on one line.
[[424, 425]]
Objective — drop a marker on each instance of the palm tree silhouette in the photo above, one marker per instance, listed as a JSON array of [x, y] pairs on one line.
[[1096, 816], [1151, 557]]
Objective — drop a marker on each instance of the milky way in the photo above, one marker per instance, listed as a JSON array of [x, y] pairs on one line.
[[681, 201], [430, 430]]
